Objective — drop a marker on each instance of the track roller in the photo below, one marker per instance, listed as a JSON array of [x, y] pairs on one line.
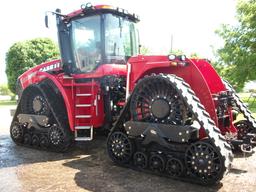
[[44, 143], [140, 160], [35, 140], [174, 167], [157, 163], [27, 139]]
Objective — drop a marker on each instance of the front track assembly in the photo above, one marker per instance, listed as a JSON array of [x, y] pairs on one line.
[[39, 121], [165, 141]]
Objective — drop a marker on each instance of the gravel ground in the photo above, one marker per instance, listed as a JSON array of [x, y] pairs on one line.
[[87, 168]]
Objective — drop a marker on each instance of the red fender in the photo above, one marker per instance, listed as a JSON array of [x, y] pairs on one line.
[[42, 75], [199, 74]]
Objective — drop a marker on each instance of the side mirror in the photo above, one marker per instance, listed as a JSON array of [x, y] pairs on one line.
[[46, 21]]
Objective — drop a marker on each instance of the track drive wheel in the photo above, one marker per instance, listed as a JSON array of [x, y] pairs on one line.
[[119, 147], [204, 162], [16, 132], [155, 100]]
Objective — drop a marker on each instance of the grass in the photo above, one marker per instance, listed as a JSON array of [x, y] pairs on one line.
[[251, 105], [5, 103]]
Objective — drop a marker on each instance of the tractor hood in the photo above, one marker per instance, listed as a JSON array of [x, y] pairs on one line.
[[31, 75]]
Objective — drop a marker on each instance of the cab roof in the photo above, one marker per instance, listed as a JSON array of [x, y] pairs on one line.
[[89, 9]]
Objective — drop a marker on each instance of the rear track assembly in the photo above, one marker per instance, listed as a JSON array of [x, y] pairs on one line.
[[241, 106]]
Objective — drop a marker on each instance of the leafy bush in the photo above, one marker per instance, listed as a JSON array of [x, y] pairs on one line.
[[23, 55]]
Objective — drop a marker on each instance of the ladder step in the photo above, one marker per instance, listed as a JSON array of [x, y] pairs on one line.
[[83, 138], [83, 94], [83, 116], [82, 127], [83, 105]]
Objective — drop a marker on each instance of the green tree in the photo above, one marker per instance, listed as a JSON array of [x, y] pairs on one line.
[[23, 55], [4, 90], [176, 52], [195, 56], [237, 58], [144, 50]]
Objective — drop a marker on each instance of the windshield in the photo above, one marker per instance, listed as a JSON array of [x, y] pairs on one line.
[[102, 39], [86, 43], [120, 39]]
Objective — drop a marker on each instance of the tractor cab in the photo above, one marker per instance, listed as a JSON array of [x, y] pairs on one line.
[[96, 35]]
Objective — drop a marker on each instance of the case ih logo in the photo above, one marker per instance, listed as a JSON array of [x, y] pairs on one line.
[[50, 67]]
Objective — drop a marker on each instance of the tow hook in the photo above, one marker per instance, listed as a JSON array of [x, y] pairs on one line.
[[246, 148], [253, 141], [252, 138]]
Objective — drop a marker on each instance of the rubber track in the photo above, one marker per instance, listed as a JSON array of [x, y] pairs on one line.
[[56, 105], [203, 118], [241, 106]]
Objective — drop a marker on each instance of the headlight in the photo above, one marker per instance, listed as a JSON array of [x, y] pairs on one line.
[[182, 57], [172, 57]]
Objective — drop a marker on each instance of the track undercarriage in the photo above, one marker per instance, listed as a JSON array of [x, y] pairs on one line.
[[166, 141], [39, 120]]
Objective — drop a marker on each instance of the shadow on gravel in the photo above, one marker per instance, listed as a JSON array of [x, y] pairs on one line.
[[239, 154], [237, 171], [12, 155]]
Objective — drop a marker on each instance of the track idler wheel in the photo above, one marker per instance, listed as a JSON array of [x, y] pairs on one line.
[[140, 160], [16, 132], [157, 163], [120, 148], [57, 139], [174, 167], [243, 127], [204, 162]]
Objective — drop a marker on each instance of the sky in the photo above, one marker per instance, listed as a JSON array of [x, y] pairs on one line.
[[191, 23]]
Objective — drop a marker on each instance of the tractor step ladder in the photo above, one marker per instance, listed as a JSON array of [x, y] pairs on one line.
[[84, 108]]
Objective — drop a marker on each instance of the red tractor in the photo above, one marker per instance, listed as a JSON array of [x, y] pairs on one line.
[[169, 115]]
